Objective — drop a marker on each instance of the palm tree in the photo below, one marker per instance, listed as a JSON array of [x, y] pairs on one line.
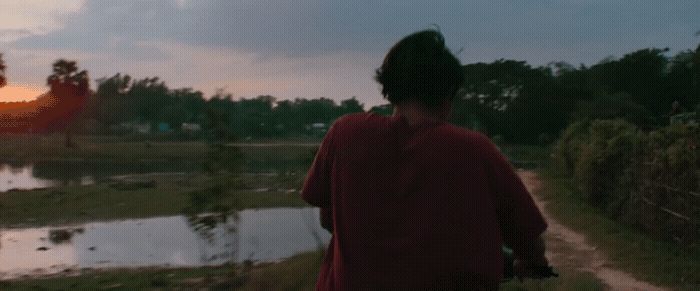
[[3, 79], [65, 73]]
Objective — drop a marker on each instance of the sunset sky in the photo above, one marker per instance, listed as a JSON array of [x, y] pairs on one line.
[[314, 48]]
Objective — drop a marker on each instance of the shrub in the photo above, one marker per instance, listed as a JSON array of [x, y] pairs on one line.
[[669, 173], [650, 180], [604, 169], [568, 147]]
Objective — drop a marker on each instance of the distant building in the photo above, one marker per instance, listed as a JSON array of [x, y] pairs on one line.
[[318, 128], [142, 128], [132, 127], [164, 127], [190, 127]]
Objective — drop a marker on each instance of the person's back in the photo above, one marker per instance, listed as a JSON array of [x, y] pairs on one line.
[[416, 203]]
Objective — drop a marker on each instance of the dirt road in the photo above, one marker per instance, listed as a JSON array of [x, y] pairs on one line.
[[569, 249]]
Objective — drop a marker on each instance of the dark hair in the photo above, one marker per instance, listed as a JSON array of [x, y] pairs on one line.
[[420, 68]]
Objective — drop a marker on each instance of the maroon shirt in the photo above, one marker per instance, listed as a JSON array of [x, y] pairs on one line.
[[415, 206]]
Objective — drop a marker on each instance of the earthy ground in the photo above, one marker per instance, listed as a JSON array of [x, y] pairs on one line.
[[570, 250]]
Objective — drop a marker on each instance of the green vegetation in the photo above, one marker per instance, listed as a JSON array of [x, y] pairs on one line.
[[649, 179], [296, 273], [33, 148], [48, 148], [568, 280], [214, 278]]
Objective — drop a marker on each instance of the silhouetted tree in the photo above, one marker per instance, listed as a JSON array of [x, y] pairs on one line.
[[351, 105], [66, 82], [3, 79], [66, 72]]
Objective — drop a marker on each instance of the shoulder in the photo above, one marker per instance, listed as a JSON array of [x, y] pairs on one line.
[[353, 120], [356, 117], [466, 136]]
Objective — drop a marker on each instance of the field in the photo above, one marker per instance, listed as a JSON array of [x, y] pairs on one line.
[[268, 175]]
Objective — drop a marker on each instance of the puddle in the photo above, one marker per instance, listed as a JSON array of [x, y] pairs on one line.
[[24, 178], [255, 235]]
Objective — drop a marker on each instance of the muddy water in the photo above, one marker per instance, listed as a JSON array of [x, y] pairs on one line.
[[255, 235]]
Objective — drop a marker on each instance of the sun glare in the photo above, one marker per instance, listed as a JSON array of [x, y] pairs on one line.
[[20, 92]]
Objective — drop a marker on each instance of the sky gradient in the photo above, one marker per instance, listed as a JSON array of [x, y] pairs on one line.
[[315, 48]]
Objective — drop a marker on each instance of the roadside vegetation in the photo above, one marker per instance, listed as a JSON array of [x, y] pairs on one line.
[[631, 193]]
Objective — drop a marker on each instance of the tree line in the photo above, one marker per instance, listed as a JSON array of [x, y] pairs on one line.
[[526, 104], [513, 100], [120, 99]]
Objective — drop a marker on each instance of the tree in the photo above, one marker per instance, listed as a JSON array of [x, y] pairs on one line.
[[3, 79], [495, 85], [67, 82], [66, 72], [111, 104], [641, 74], [351, 106], [696, 66]]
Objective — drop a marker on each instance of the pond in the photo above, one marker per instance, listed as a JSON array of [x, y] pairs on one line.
[[26, 176], [22, 178], [250, 235]]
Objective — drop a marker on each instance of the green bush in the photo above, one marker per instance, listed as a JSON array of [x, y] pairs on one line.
[[567, 149], [667, 177], [646, 179], [674, 150], [604, 169]]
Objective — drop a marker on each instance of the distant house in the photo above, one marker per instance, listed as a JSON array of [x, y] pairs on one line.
[[163, 127], [132, 127], [318, 128], [687, 118], [190, 127], [142, 128]]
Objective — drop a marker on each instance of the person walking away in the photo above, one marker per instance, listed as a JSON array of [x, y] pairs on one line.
[[414, 202]]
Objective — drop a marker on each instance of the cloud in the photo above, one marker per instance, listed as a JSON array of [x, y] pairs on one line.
[[34, 16], [563, 29], [317, 48], [13, 34]]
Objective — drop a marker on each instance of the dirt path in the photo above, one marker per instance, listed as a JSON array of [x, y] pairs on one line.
[[569, 249]]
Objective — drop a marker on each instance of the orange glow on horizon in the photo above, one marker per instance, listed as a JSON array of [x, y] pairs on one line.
[[20, 92]]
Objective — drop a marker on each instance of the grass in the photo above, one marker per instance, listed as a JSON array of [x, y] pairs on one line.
[[43, 148], [32, 148], [214, 278], [658, 262], [296, 273], [145, 197], [567, 280]]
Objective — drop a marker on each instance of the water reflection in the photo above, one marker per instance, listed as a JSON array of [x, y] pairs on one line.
[[256, 235], [21, 177], [46, 174], [63, 173]]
